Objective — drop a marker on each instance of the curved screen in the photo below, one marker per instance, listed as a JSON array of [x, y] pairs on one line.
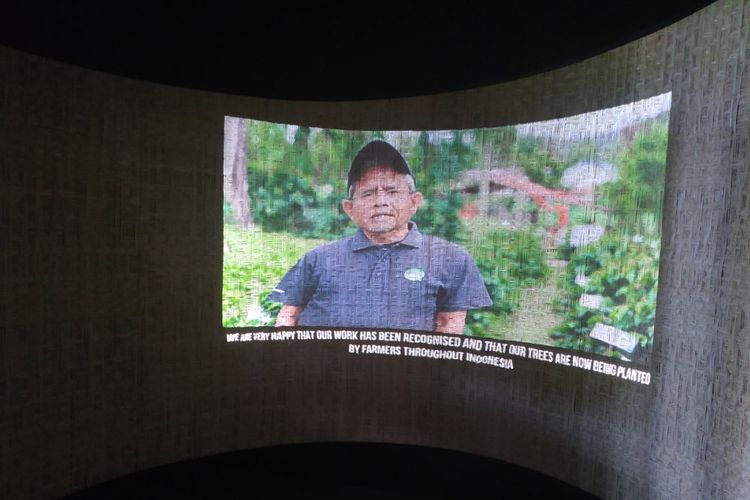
[[537, 242]]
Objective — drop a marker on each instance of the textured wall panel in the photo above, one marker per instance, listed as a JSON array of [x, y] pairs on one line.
[[111, 356]]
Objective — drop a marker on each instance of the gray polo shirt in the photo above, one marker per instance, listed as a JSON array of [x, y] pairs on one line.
[[353, 282]]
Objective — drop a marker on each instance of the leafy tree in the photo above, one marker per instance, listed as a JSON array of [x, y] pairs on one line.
[[636, 197], [439, 215], [331, 152], [544, 165], [288, 179], [436, 164]]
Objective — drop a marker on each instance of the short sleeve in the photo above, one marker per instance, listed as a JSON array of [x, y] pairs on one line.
[[464, 288], [298, 284]]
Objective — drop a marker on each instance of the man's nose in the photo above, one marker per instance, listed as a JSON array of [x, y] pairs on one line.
[[382, 197]]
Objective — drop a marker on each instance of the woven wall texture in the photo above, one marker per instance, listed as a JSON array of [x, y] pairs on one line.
[[111, 355]]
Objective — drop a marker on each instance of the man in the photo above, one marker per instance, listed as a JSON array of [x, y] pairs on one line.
[[388, 275]]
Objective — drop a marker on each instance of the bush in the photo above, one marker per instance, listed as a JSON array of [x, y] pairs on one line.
[[636, 196], [279, 200], [254, 263], [625, 274], [283, 202], [508, 262], [439, 215]]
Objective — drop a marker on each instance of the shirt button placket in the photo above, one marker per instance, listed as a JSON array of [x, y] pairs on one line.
[[381, 267]]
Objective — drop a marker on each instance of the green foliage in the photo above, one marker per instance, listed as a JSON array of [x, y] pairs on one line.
[[565, 250], [507, 202], [539, 164], [625, 274], [284, 203], [254, 263], [639, 190], [508, 262], [331, 152], [279, 200], [439, 216], [437, 164], [289, 189], [326, 218], [270, 307]]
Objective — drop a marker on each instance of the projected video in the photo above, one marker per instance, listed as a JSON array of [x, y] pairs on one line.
[[542, 233]]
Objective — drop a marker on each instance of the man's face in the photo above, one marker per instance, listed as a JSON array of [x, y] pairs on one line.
[[382, 205]]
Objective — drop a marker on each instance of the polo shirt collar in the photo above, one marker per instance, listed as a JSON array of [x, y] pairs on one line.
[[413, 239]]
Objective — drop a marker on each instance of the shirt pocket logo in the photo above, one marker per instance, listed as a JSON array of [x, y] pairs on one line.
[[414, 274]]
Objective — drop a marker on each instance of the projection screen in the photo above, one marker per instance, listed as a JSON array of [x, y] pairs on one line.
[[538, 241]]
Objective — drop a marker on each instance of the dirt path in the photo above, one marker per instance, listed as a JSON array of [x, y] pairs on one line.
[[535, 318]]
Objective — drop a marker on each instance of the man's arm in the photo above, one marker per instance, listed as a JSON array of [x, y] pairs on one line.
[[288, 315], [295, 287], [465, 289], [450, 322]]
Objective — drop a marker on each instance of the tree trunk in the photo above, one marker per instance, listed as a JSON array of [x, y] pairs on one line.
[[235, 170]]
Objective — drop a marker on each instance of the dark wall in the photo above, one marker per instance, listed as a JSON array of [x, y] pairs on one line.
[[111, 354]]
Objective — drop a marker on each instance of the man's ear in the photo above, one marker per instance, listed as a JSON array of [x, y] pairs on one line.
[[347, 206], [417, 199]]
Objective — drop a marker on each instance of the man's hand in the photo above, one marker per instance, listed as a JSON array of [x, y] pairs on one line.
[[288, 315], [450, 322]]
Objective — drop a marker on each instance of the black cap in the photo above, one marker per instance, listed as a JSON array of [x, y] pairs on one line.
[[377, 154]]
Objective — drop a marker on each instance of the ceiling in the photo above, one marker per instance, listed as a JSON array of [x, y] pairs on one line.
[[327, 50]]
